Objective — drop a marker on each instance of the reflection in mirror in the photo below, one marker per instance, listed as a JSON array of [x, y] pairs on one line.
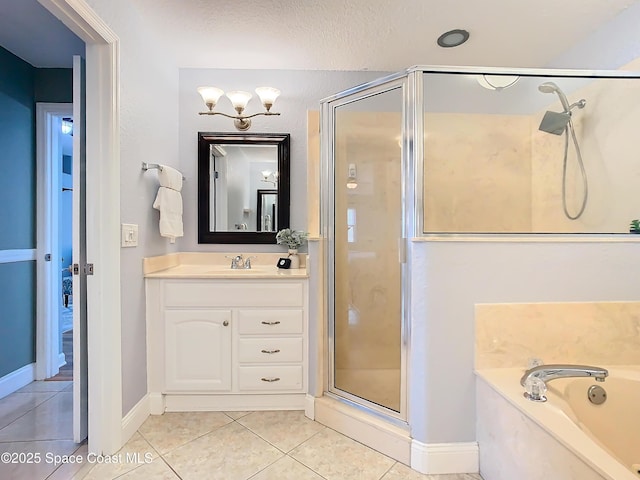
[[243, 187], [267, 217], [238, 176]]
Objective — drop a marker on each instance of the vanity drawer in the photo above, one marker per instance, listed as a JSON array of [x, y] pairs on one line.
[[270, 350], [270, 378], [270, 322]]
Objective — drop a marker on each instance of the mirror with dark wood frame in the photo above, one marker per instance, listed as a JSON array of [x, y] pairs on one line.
[[243, 187]]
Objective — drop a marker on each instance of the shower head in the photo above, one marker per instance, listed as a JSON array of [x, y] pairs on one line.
[[550, 87], [554, 122]]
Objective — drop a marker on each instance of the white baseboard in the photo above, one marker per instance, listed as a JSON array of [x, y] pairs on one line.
[[310, 407], [62, 360], [156, 403], [443, 458], [136, 417], [233, 402], [17, 379]]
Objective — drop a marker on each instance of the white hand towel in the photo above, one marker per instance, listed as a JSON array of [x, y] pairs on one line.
[[169, 202], [170, 177]]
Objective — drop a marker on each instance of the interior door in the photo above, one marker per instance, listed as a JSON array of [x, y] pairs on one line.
[[80, 389]]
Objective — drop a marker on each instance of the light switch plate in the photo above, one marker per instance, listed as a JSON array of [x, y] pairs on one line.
[[129, 235]]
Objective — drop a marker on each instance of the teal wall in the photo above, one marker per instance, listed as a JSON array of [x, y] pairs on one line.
[[17, 153], [53, 85], [21, 86], [17, 315]]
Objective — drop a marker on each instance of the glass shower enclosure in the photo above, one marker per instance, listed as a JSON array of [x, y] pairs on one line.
[[457, 153]]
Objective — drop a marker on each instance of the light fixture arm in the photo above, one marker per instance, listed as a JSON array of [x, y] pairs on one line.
[[237, 117]]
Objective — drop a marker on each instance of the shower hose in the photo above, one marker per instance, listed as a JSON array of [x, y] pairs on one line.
[[569, 130]]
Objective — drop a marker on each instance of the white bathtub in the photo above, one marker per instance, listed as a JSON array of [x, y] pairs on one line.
[[566, 437]]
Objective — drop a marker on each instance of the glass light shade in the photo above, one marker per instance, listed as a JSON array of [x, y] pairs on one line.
[[266, 173], [239, 99], [210, 95], [66, 126], [267, 96]]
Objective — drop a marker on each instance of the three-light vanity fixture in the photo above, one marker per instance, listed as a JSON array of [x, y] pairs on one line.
[[239, 99]]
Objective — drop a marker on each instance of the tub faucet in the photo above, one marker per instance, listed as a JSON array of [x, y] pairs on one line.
[[535, 379], [553, 371]]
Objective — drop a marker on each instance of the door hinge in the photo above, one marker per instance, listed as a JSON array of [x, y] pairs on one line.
[[87, 269]]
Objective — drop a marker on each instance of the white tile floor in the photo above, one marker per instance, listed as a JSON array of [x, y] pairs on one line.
[[196, 445]]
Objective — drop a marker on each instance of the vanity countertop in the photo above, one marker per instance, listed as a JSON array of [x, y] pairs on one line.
[[216, 265]]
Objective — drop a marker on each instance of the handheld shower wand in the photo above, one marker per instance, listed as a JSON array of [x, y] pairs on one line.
[[558, 124]]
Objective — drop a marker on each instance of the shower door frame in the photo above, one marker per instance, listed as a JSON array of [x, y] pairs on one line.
[[406, 82]]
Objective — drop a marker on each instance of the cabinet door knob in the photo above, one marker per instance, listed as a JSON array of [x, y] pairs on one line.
[[274, 379], [225, 323], [271, 351], [277, 322]]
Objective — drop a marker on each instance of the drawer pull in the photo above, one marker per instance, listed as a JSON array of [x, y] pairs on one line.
[[277, 322], [275, 379], [271, 351]]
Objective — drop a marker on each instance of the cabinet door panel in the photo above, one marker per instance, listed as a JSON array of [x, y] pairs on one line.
[[198, 350]]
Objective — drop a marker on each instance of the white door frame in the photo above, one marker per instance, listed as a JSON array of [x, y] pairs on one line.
[[49, 290], [103, 220]]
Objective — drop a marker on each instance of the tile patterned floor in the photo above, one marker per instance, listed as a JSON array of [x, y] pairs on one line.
[[270, 445]]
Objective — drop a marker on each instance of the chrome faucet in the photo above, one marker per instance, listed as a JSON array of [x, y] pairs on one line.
[[247, 262], [535, 379], [237, 262]]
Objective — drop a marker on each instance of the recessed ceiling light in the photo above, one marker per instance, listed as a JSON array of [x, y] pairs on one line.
[[453, 38]]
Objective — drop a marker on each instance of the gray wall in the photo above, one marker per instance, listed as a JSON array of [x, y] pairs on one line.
[[301, 92], [148, 132], [450, 277]]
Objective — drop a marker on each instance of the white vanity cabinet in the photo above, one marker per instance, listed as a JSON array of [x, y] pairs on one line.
[[226, 343]]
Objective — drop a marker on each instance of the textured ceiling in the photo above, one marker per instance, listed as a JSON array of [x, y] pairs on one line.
[[371, 34], [382, 35]]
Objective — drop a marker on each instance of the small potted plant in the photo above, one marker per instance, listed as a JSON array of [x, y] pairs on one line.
[[634, 226], [292, 239]]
